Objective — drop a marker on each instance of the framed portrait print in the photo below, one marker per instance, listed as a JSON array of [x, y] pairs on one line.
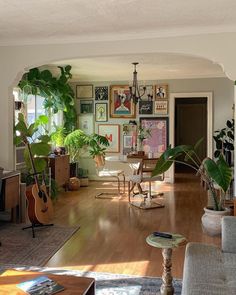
[[148, 92], [86, 123], [86, 106], [112, 133], [84, 91], [101, 112], [145, 107], [158, 142], [101, 93], [161, 91], [120, 104], [161, 107]]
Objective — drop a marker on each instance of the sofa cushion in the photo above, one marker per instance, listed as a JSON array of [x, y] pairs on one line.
[[208, 271]]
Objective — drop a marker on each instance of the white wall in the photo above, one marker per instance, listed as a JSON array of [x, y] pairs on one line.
[[15, 60], [223, 99]]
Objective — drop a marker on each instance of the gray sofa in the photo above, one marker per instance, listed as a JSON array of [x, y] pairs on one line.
[[209, 270]]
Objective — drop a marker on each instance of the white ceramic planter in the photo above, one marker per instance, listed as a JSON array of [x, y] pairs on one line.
[[211, 221]]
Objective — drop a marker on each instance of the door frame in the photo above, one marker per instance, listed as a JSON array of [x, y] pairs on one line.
[[173, 96]]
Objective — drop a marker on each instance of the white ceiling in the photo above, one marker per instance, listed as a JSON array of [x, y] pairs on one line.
[[151, 67], [63, 21], [50, 21]]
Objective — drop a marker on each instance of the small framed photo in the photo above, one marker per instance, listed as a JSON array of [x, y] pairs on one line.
[[86, 106], [112, 133], [101, 112], [162, 91], [84, 91], [148, 92], [161, 107], [127, 141], [101, 93], [86, 123], [145, 107]]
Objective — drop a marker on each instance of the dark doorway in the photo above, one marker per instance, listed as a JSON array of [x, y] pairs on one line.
[[191, 125]]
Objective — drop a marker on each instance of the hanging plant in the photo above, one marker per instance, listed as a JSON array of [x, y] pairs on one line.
[[57, 92]]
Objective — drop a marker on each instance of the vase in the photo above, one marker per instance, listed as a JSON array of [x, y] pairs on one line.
[[211, 221]]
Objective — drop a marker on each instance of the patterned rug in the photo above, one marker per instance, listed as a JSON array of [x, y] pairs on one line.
[[114, 284], [18, 246]]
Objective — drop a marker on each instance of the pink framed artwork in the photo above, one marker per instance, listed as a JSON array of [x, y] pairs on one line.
[[120, 104], [112, 133], [158, 142]]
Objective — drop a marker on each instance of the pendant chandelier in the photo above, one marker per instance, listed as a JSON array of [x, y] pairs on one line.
[[135, 94]]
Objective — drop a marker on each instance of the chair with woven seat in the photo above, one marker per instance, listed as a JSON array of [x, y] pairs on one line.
[[104, 172], [141, 177]]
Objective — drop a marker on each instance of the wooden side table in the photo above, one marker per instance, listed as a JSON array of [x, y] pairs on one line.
[[72, 284], [166, 245]]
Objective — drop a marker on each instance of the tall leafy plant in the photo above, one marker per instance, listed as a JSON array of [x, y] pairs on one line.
[[224, 139], [212, 172], [38, 143], [57, 92]]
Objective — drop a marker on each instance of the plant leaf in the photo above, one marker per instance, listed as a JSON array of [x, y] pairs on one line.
[[219, 171]]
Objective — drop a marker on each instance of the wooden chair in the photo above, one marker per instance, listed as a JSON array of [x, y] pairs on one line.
[[104, 172], [143, 176]]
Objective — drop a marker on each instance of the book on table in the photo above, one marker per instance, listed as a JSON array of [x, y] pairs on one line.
[[40, 286]]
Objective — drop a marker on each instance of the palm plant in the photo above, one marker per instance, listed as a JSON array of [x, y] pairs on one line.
[[211, 171]]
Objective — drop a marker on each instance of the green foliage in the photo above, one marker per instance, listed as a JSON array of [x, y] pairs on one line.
[[58, 136], [213, 172], [57, 92], [97, 144], [77, 141], [224, 139], [39, 145]]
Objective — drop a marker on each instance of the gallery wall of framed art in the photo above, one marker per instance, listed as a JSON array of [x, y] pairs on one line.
[[102, 107]]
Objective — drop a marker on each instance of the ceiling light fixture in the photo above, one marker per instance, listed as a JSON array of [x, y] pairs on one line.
[[134, 88]]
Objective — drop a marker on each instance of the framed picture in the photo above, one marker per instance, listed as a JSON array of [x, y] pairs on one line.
[[161, 107], [86, 123], [145, 107], [84, 91], [127, 141], [162, 91], [101, 112], [112, 133], [148, 93], [86, 106], [101, 93], [158, 142], [120, 104]]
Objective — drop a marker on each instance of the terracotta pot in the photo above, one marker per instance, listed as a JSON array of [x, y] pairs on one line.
[[74, 184], [99, 160], [211, 221]]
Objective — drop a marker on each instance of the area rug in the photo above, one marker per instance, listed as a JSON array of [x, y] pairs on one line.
[[18, 246], [114, 284]]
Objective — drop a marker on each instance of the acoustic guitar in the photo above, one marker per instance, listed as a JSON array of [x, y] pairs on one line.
[[40, 208]]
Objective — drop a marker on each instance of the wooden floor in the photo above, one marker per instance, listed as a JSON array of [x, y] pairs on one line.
[[112, 234]]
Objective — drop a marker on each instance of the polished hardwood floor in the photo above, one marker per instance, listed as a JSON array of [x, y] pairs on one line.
[[112, 234]]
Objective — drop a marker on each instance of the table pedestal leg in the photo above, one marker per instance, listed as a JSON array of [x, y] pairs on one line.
[[167, 287]]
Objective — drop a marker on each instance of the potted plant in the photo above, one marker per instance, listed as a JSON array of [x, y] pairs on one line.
[[97, 145], [216, 173], [57, 138], [75, 142], [143, 133], [224, 139]]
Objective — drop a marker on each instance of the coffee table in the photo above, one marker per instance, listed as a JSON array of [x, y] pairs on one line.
[[166, 245], [72, 284]]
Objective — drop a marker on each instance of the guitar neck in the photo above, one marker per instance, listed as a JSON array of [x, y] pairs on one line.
[[33, 166]]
